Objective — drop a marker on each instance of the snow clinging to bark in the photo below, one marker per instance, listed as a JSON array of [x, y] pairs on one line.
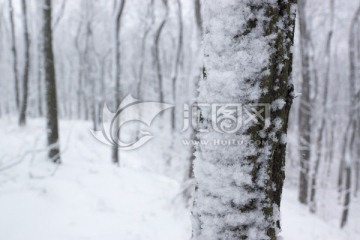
[[236, 59]]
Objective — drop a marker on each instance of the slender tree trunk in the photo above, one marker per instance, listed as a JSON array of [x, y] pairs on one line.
[[102, 64], [305, 106], [80, 73], [40, 81], [345, 213], [156, 52], [346, 152], [349, 153], [149, 14], [25, 90], [51, 95], [174, 79], [198, 18], [357, 176], [177, 63], [323, 114], [14, 52], [117, 65], [90, 64], [340, 181], [239, 188]]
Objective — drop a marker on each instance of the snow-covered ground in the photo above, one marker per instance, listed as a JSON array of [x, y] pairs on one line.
[[300, 224], [87, 197]]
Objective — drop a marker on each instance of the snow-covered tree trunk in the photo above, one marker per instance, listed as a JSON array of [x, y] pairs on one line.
[[247, 50], [50, 79]]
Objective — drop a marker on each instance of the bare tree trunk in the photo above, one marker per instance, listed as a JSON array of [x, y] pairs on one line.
[[357, 174], [102, 59], [323, 115], [198, 18], [14, 52], [51, 96], [356, 99], [40, 79], [79, 92], [117, 64], [349, 153], [177, 64], [344, 217], [305, 106], [156, 52], [90, 64], [347, 148], [149, 14], [174, 78], [23, 110], [340, 181]]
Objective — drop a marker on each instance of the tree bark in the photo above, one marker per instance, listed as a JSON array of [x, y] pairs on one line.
[[51, 95], [305, 105], [323, 113], [349, 154], [345, 213], [117, 64], [239, 188], [156, 52], [177, 63], [25, 90], [14, 52]]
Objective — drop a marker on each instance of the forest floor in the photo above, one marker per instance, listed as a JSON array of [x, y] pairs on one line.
[[88, 198]]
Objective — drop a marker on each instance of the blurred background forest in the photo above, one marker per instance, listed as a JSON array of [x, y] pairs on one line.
[[151, 49]]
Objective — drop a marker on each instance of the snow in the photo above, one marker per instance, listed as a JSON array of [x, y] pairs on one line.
[[87, 197], [299, 223], [278, 104]]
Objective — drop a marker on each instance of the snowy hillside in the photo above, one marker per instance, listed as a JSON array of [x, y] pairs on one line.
[[87, 197]]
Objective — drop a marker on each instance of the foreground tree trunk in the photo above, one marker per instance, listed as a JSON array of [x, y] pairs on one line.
[[50, 78], [24, 103], [247, 61]]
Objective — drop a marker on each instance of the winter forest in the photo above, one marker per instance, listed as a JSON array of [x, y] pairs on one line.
[[180, 119]]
